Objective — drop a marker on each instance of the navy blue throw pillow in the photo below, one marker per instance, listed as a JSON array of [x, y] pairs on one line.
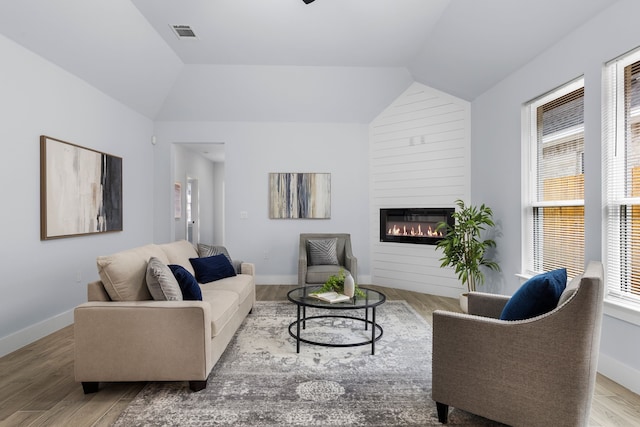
[[188, 285], [212, 268], [536, 296]]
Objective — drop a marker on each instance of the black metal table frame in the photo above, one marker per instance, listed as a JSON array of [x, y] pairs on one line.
[[302, 320]]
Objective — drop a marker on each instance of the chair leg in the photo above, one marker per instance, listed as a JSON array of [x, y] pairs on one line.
[[443, 412], [90, 387], [197, 385]]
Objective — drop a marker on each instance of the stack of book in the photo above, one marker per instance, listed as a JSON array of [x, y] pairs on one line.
[[331, 297]]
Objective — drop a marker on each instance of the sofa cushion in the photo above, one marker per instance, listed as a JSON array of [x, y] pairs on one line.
[[536, 296], [161, 282], [212, 268], [321, 273], [179, 253], [211, 250], [188, 284], [241, 284], [224, 305], [322, 251], [124, 273]]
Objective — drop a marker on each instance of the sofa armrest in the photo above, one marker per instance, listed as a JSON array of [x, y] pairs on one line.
[[97, 292], [142, 341], [487, 305], [248, 268]]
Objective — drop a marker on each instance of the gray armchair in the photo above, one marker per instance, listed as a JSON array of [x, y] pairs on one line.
[[534, 372], [308, 273]]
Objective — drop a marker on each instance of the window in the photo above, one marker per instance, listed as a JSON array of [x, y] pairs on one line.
[[621, 176], [553, 180]]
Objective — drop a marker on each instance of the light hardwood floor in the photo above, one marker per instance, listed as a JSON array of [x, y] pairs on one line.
[[37, 386]]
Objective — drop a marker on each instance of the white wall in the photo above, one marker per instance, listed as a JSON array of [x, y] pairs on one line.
[[252, 151], [43, 280], [496, 154], [419, 158], [303, 94], [219, 204]]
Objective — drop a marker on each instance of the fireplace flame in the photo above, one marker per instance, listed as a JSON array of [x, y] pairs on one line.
[[404, 231]]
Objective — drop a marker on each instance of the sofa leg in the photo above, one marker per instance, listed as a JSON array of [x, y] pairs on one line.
[[90, 387], [443, 412], [197, 385]]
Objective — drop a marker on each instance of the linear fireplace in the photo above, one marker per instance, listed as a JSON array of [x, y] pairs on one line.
[[414, 225]]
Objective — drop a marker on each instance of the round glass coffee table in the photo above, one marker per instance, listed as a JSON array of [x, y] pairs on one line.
[[368, 303]]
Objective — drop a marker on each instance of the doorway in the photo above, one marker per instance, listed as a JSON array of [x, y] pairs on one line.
[[192, 211], [200, 168]]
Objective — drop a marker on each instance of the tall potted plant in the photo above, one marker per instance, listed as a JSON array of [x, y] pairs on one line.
[[463, 247]]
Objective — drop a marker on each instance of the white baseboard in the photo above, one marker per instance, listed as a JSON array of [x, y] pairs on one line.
[[424, 288], [293, 280], [364, 280], [32, 333], [276, 280], [624, 375]]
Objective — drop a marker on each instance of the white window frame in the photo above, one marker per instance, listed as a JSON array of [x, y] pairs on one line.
[[613, 137], [529, 172]]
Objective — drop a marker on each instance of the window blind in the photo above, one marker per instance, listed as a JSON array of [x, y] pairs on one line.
[[621, 176], [557, 200]]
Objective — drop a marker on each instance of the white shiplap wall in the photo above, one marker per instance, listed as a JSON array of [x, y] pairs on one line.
[[419, 157]]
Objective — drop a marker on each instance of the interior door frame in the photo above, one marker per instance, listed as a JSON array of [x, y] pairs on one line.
[[192, 195]]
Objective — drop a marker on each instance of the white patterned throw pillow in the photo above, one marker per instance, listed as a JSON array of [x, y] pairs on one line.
[[322, 252], [161, 282]]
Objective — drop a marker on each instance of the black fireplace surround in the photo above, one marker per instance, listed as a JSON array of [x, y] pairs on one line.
[[414, 225]]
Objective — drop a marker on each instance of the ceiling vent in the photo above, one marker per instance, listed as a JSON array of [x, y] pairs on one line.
[[184, 32]]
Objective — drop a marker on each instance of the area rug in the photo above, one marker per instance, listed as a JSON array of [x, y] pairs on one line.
[[260, 380]]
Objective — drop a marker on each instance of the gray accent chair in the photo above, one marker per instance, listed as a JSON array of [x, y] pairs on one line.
[[319, 274], [534, 372]]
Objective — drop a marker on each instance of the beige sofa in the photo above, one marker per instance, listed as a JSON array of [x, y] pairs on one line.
[[122, 334]]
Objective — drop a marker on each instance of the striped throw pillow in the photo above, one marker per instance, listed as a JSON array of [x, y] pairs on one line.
[[161, 282], [322, 252], [211, 250]]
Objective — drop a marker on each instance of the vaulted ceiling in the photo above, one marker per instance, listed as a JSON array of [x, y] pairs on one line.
[[284, 60]]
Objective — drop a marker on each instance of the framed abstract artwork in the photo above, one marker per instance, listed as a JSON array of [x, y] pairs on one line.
[[80, 190], [299, 195]]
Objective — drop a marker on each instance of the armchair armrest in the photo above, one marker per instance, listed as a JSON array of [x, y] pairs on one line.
[[487, 305], [351, 264], [350, 261], [142, 341], [302, 265]]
